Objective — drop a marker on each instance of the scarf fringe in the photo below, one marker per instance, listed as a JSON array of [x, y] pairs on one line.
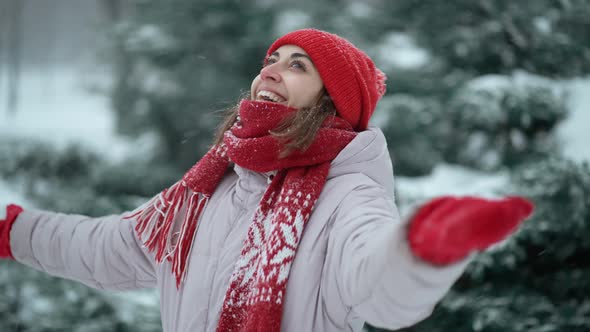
[[155, 221]]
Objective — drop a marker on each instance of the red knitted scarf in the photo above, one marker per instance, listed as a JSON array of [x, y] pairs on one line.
[[254, 298]]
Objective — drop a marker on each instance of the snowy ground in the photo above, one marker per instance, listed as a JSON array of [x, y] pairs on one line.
[[55, 107]]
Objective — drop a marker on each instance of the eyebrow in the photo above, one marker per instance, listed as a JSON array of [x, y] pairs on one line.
[[293, 56]]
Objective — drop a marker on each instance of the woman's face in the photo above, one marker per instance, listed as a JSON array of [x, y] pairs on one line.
[[288, 77]]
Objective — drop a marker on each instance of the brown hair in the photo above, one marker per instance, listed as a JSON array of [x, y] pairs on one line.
[[296, 132]]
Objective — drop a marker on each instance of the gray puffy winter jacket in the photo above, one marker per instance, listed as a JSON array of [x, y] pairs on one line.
[[353, 263]]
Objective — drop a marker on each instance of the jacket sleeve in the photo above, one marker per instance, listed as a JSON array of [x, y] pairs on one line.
[[103, 253], [376, 275]]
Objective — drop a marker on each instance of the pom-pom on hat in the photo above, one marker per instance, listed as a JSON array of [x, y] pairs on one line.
[[349, 75]]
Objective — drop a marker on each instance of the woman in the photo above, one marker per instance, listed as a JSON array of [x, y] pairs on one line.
[[288, 223]]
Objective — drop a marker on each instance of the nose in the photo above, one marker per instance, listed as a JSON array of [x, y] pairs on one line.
[[270, 73]]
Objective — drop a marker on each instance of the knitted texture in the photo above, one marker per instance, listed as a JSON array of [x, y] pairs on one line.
[[256, 291], [12, 212], [349, 75], [447, 229]]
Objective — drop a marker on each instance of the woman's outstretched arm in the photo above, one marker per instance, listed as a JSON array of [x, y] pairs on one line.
[[372, 268], [103, 253], [393, 274]]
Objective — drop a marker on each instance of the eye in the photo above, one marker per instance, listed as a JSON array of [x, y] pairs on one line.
[[268, 61], [297, 65]]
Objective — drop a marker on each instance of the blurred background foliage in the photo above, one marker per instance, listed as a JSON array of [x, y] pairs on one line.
[[480, 91]]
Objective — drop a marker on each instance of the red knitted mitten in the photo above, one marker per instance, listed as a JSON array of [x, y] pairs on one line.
[[447, 229], [12, 211]]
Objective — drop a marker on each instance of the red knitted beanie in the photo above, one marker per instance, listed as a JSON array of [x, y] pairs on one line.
[[349, 75]]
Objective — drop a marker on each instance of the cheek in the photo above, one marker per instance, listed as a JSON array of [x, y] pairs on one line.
[[254, 85], [311, 91]]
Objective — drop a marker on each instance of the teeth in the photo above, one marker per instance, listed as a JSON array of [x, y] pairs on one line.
[[267, 95]]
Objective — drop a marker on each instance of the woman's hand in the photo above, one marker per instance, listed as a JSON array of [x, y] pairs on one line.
[[447, 229], [6, 220]]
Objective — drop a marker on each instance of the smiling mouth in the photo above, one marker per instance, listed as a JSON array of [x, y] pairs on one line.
[[265, 95]]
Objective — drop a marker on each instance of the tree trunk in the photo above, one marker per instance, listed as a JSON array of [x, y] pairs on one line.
[[3, 37], [15, 11], [113, 9]]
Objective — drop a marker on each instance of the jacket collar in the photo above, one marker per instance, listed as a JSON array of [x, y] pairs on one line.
[[251, 185]]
